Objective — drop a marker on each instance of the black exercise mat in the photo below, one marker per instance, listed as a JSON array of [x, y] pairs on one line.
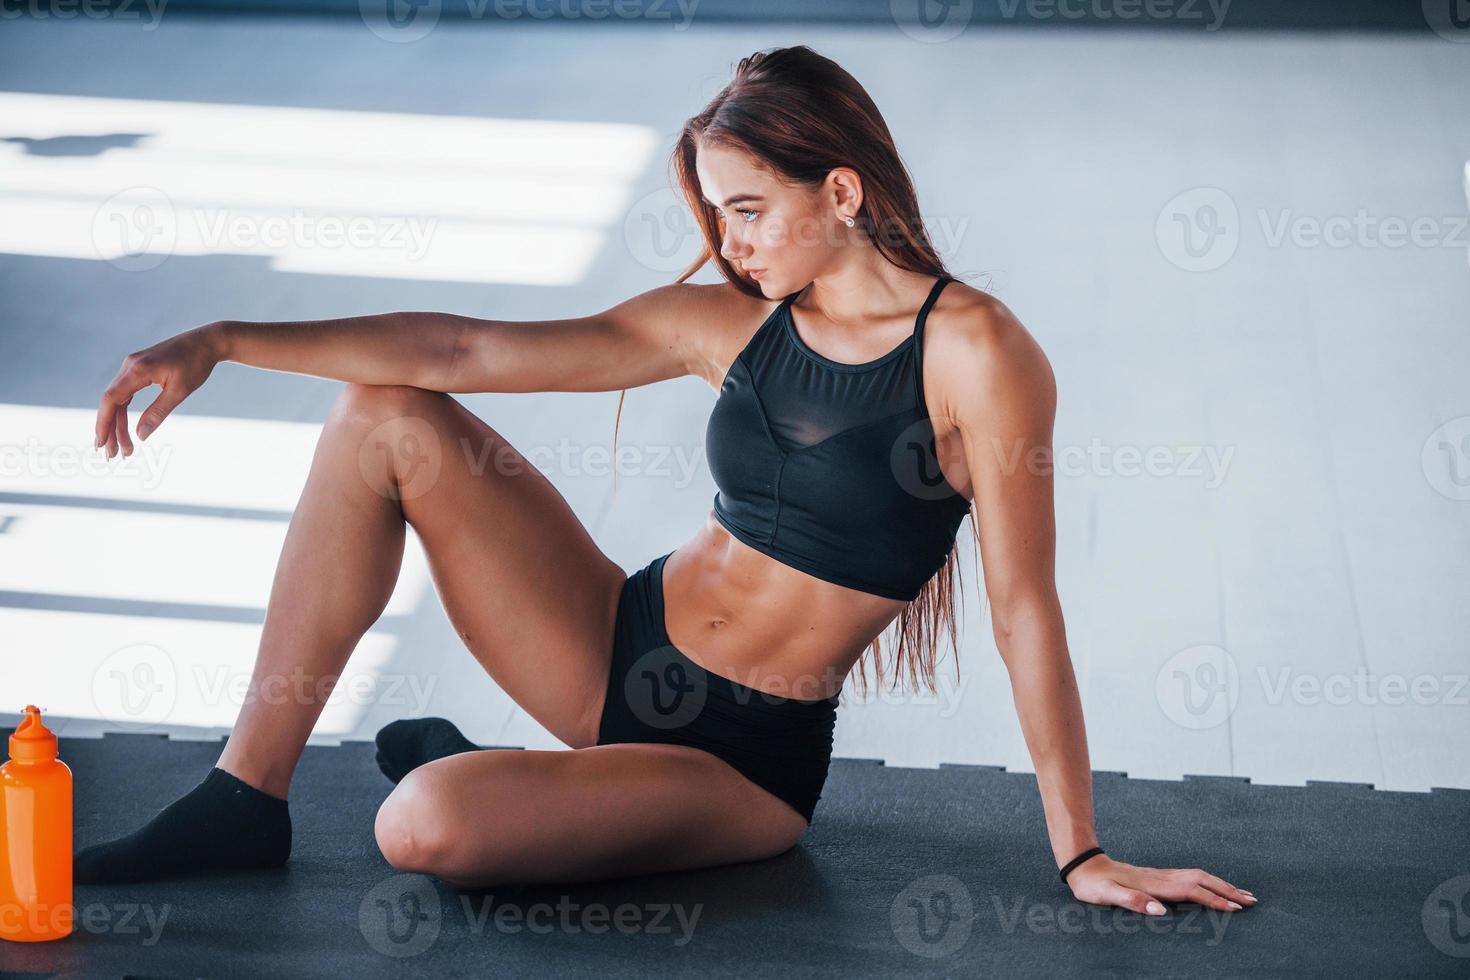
[[1352, 881]]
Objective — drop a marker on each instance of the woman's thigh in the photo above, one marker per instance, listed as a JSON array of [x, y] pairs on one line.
[[527, 588], [520, 815]]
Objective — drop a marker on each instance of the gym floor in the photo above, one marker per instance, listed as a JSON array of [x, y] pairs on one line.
[[1244, 252]]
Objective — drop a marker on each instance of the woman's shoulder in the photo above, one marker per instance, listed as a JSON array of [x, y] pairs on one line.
[[968, 322], [973, 342]]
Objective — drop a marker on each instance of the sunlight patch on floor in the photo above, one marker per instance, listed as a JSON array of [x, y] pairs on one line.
[[334, 192]]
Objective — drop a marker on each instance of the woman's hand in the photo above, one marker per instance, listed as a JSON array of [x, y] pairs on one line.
[[1103, 881], [179, 364]]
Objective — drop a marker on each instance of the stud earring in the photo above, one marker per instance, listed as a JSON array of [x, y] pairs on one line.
[[848, 221]]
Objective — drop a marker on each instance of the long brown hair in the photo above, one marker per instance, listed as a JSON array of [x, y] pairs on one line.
[[803, 115]]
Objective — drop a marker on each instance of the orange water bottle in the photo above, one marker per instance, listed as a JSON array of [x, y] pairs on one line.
[[35, 854]]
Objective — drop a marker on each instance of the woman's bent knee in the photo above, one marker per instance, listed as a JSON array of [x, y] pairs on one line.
[[397, 434], [413, 830]]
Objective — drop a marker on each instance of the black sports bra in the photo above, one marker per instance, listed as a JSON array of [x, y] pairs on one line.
[[830, 467]]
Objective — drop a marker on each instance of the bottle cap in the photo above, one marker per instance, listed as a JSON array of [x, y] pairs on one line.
[[32, 741]]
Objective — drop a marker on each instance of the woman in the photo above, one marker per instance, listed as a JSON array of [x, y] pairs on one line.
[[864, 398]]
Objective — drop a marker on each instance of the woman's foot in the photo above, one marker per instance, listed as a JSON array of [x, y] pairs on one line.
[[223, 823], [408, 743]]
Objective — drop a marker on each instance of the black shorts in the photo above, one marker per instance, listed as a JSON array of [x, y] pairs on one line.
[[657, 694]]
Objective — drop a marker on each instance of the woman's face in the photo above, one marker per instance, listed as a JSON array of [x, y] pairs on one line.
[[770, 229]]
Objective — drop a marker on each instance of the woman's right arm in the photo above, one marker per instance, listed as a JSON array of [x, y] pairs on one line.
[[654, 336]]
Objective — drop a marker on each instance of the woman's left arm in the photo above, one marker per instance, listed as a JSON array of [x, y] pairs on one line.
[[996, 388]]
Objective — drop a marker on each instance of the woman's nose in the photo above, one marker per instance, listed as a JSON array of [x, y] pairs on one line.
[[732, 248]]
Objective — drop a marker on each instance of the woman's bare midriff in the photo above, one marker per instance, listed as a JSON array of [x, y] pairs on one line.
[[745, 616]]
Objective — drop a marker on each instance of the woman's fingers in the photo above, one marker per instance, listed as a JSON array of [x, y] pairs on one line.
[[102, 428], [109, 432], [120, 427], [107, 420], [1157, 885], [1207, 898], [1195, 885], [112, 409], [1140, 902], [1233, 898], [178, 366], [1225, 888], [154, 414], [112, 396], [1188, 883]]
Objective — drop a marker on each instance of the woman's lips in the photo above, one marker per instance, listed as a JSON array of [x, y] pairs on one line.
[[755, 273]]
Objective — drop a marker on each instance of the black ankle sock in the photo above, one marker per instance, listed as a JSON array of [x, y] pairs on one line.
[[408, 743], [223, 822]]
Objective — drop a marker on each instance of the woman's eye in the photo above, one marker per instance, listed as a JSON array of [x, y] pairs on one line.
[[747, 214]]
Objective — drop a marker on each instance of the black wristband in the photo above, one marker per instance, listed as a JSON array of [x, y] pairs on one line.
[[1090, 852]]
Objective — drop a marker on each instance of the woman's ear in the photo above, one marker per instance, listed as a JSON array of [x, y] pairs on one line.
[[846, 190]]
